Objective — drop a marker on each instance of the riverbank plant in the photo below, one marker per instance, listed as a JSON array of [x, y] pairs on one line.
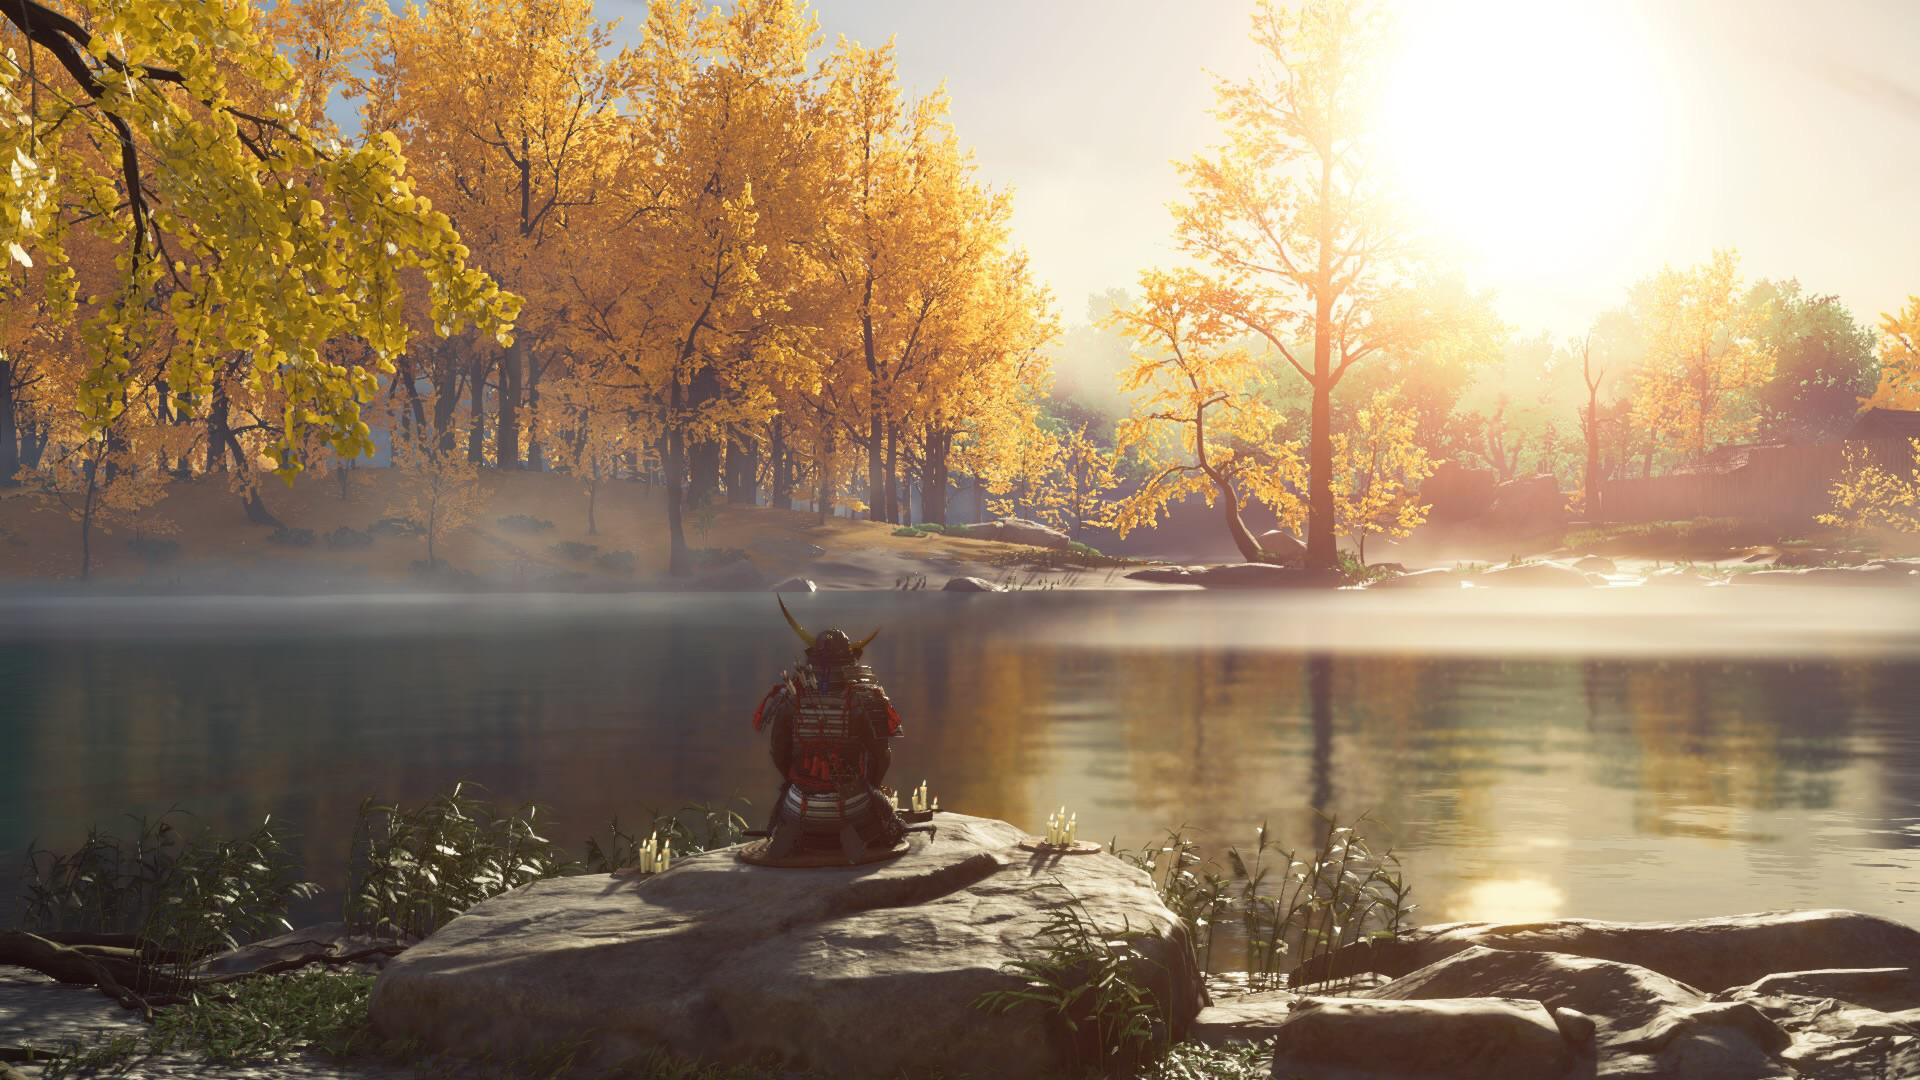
[[413, 869], [1085, 979], [1289, 910], [164, 897]]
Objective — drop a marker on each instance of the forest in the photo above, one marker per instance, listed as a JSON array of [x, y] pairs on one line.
[[723, 256]]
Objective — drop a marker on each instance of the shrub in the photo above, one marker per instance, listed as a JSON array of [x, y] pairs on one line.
[[910, 530], [931, 527], [286, 537], [1295, 911], [345, 538], [413, 869], [717, 556], [188, 896], [395, 526], [523, 523], [619, 562], [1085, 980], [575, 550], [154, 549]]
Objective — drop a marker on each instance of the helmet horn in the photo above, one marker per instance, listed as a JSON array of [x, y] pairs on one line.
[[865, 641], [795, 623]]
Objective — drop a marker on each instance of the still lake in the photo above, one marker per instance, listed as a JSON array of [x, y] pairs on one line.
[[1624, 753]]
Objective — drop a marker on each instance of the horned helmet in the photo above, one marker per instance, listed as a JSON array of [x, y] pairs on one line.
[[828, 648]]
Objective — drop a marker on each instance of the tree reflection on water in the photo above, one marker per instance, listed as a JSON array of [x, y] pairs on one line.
[[1516, 781]]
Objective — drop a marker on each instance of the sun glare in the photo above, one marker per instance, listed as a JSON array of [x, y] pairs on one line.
[[1523, 134]]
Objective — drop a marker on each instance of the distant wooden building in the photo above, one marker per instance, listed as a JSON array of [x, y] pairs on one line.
[[1783, 482]]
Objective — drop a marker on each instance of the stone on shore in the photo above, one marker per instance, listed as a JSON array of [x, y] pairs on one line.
[[970, 584], [1708, 954], [1824, 575], [1013, 530], [1595, 564], [1433, 578], [1434, 1039], [797, 584], [862, 971], [1533, 575]]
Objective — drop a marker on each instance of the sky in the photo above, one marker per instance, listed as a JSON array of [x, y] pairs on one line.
[[1561, 151]]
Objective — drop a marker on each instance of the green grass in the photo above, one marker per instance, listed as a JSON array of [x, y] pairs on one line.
[[1706, 538]]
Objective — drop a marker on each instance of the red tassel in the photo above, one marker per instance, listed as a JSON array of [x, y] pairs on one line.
[[893, 720]]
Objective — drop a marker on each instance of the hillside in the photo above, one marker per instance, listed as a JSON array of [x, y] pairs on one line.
[[530, 534]]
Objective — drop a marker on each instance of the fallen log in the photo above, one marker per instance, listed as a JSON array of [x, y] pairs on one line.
[[70, 965]]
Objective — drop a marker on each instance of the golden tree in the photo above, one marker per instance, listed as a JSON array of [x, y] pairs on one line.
[[1200, 422], [1703, 362], [242, 231], [1289, 216], [1379, 465], [1073, 494], [512, 108], [1899, 386]]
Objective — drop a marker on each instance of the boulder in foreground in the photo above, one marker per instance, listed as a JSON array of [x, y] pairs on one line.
[[862, 971]]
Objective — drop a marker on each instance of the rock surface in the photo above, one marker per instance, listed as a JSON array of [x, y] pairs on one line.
[[1825, 575], [864, 971], [1434, 1039], [1282, 545], [1435, 578], [1709, 954], [1642, 1023], [797, 584], [1533, 575], [1013, 530], [1595, 564], [970, 584]]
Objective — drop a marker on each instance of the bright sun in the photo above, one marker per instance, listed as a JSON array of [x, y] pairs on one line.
[[1527, 133]]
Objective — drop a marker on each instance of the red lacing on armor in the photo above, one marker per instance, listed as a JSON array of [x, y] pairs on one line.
[[760, 710]]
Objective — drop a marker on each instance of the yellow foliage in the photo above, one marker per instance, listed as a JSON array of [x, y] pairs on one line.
[[1868, 496], [1704, 360], [1378, 467], [1899, 386]]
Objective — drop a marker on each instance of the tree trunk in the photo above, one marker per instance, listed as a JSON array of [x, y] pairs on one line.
[[823, 505], [893, 473], [1595, 512], [9, 429], [875, 482], [506, 438], [217, 429], [536, 447], [1237, 525], [933, 492], [679, 560], [781, 496], [593, 495], [477, 410], [86, 520]]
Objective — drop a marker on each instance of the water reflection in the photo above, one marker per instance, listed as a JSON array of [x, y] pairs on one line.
[[1516, 781]]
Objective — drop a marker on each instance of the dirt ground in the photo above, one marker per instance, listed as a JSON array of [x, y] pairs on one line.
[[219, 548]]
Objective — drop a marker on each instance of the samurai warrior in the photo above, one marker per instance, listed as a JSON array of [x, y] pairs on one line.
[[831, 727]]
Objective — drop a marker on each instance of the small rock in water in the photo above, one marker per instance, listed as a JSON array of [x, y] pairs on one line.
[[970, 584], [1433, 578], [797, 584], [1534, 575], [1595, 564]]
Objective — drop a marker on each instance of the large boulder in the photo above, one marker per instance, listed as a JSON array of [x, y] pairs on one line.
[[1013, 530], [859, 971], [1457, 493], [1709, 954], [1282, 546], [1534, 576], [1527, 506], [1168, 575], [1643, 1023], [1435, 1039]]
